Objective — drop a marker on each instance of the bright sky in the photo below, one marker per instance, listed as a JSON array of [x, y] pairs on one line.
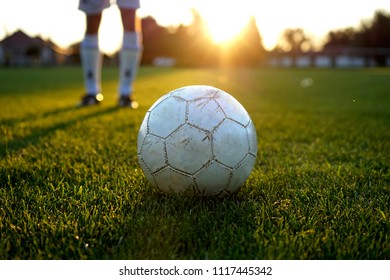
[[64, 24]]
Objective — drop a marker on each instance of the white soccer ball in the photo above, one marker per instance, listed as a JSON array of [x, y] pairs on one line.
[[197, 140]]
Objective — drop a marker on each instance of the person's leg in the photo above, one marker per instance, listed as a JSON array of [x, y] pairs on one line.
[[91, 57], [130, 53]]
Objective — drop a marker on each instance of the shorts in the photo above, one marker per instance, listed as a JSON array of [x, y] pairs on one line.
[[91, 7]]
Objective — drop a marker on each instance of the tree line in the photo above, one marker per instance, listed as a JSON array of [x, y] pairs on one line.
[[371, 34], [192, 45]]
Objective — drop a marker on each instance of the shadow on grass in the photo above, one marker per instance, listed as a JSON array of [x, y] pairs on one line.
[[31, 116], [37, 134]]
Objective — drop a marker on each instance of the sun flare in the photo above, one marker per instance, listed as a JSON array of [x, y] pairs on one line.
[[224, 20], [223, 30]]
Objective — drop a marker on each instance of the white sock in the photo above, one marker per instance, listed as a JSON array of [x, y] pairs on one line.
[[129, 58], [91, 59]]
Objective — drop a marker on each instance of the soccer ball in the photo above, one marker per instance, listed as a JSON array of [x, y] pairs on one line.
[[197, 140]]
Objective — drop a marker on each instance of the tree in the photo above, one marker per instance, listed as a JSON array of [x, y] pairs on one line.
[[373, 34], [195, 48], [192, 45], [377, 33], [247, 49], [342, 37], [295, 41], [155, 40]]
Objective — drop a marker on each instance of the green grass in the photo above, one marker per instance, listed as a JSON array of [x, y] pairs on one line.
[[71, 187]]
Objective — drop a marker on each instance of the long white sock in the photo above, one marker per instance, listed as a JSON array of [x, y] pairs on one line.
[[91, 59], [129, 58]]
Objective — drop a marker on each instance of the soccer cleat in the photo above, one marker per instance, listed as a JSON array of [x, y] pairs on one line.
[[90, 100], [127, 101]]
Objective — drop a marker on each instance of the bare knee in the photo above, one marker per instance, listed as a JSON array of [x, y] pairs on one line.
[[128, 19], [93, 23]]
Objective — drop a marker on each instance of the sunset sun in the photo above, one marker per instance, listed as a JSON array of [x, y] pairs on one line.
[[224, 21], [224, 30]]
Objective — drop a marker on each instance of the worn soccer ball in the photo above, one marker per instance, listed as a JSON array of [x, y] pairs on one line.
[[197, 140]]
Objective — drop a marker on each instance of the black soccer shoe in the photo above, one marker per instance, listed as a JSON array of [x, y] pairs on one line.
[[90, 100], [127, 101]]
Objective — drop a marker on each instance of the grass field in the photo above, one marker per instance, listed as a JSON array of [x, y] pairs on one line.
[[71, 187]]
